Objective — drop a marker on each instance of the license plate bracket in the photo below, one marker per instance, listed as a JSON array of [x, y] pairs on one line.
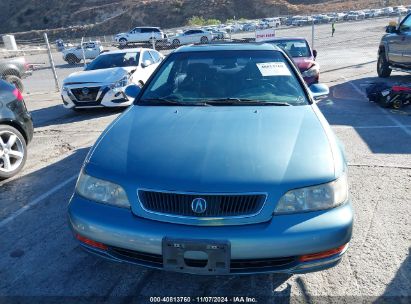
[[218, 256]]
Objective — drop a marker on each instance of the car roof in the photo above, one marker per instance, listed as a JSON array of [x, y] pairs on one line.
[[285, 39], [228, 47], [156, 27]]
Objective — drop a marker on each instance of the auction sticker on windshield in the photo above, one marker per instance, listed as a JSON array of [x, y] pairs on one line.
[[273, 69]]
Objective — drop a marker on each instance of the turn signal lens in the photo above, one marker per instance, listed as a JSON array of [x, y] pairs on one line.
[[322, 255], [91, 242]]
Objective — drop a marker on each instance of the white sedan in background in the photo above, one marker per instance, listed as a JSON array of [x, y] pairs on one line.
[[190, 37], [103, 81], [88, 50]]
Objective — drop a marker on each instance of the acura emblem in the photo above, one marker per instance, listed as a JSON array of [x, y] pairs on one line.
[[199, 205], [85, 91]]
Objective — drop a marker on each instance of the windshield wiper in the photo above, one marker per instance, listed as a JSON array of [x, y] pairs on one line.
[[243, 101], [169, 102], [213, 102], [159, 101]]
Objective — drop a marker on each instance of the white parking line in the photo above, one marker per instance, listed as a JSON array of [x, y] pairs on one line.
[[36, 201], [394, 120]]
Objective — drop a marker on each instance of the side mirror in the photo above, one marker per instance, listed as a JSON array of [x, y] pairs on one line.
[[319, 91], [315, 54], [391, 29], [146, 63], [132, 90]]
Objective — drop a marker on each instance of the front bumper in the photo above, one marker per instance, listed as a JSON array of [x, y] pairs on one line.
[[105, 98], [274, 246], [311, 80]]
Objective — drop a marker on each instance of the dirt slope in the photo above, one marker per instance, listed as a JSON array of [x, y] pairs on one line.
[[95, 17]]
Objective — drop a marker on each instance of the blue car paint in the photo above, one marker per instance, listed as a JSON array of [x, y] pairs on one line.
[[212, 150], [282, 236], [246, 149]]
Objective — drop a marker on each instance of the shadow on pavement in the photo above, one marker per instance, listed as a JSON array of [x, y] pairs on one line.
[[377, 127], [20, 191], [263, 287], [58, 115], [399, 289], [71, 66]]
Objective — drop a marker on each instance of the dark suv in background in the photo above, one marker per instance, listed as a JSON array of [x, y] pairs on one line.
[[394, 52]]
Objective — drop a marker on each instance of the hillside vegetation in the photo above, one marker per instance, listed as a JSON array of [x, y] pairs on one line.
[[97, 17]]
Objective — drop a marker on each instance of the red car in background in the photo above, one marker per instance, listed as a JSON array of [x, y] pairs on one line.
[[303, 56]]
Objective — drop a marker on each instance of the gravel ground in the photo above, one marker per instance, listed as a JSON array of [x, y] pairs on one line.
[[41, 261]]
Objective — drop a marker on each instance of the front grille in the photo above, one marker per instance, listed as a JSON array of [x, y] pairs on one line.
[[261, 264], [236, 266], [86, 94], [217, 205], [153, 260]]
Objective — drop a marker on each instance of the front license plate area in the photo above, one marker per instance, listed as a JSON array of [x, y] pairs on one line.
[[217, 253]]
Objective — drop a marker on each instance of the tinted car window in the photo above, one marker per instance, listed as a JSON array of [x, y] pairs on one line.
[[264, 76], [406, 25], [296, 48], [89, 45], [149, 30], [147, 56], [114, 60]]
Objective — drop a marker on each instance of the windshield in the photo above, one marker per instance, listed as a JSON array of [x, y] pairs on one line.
[[252, 76], [296, 48], [114, 60]]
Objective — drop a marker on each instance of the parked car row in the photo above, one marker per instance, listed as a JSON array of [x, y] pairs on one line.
[[203, 35]]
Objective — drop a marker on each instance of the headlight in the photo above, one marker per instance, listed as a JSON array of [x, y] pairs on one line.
[[123, 82], [64, 89], [101, 191], [314, 198], [313, 71]]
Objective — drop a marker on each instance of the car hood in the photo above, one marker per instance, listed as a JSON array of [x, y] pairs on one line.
[[215, 149], [100, 76], [304, 63]]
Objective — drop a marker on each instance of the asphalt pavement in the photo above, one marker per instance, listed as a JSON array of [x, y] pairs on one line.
[[40, 261]]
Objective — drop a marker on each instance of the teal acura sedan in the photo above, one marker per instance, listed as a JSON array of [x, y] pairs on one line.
[[223, 165]]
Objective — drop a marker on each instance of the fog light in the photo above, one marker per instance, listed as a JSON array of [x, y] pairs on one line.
[[91, 242], [323, 254]]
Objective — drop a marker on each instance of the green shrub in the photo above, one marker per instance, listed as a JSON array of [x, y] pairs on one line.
[[200, 21]]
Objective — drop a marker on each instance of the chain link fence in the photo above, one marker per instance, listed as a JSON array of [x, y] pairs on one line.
[[19, 64], [43, 64]]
